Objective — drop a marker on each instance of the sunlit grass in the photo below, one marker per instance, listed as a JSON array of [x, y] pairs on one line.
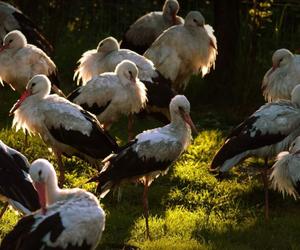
[[189, 207]]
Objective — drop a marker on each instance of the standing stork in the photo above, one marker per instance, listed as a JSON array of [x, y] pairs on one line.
[[109, 95], [20, 61], [150, 154], [284, 75], [13, 19], [16, 186], [265, 133], [285, 176], [65, 127], [69, 218], [105, 59], [183, 50], [143, 32]]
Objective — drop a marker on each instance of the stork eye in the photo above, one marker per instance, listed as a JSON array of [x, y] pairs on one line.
[[10, 41], [194, 20], [130, 72], [40, 172], [181, 109], [33, 84]]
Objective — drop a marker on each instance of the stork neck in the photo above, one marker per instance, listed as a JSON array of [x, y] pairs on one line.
[[177, 121], [53, 192]]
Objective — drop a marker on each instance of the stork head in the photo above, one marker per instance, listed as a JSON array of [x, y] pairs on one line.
[[127, 71], [295, 146], [42, 174], [281, 57], [194, 19], [180, 109], [38, 86], [295, 95], [14, 40], [107, 45], [170, 10]]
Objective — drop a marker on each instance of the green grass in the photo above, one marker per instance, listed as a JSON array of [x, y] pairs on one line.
[[189, 207]]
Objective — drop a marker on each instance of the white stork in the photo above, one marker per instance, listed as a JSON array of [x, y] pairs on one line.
[[150, 154], [285, 176], [110, 95], [284, 75], [105, 59], [69, 218], [265, 133], [183, 50], [20, 61], [143, 32], [13, 19], [64, 126], [16, 186]]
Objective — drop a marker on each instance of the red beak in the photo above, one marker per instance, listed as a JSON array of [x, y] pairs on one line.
[[3, 47], [41, 190], [25, 94], [186, 117]]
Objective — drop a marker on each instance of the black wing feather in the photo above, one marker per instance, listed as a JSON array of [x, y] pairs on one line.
[[127, 165], [98, 144], [240, 140], [32, 33], [13, 183]]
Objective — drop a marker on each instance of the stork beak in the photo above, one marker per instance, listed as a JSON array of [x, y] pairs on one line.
[[58, 91], [186, 117], [3, 47], [41, 190], [132, 79], [25, 94]]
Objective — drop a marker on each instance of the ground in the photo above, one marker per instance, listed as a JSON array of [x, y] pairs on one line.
[[189, 207]]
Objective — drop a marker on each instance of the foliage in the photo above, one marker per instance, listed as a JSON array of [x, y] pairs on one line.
[[189, 207]]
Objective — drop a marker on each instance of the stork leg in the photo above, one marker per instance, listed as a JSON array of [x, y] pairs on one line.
[[26, 139], [146, 207], [265, 181], [130, 127], [61, 168], [3, 209]]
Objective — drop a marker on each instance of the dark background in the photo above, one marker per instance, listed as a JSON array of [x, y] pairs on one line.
[[248, 32]]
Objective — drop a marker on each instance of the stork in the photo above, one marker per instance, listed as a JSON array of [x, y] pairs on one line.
[[65, 127], [183, 50], [105, 59], [284, 75], [20, 61], [69, 218], [109, 95], [285, 176], [16, 186], [13, 19], [265, 133], [150, 154], [143, 32]]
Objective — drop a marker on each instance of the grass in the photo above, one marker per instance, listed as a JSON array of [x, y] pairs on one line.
[[189, 207]]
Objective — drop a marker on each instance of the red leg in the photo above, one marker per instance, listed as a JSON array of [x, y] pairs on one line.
[[61, 168], [130, 127], [146, 207], [266, 184]]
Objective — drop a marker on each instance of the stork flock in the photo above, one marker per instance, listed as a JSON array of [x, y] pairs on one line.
[[147, 72]]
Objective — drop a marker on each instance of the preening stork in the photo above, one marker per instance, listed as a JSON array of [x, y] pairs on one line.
[[16, 186], [110, 95], [105, 59], [69, 218], [143, 32], [284, 75], [13, 19], [265, 133], [20, 61], [183, 50], [65, 127], [285, 176], [150, 154]]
